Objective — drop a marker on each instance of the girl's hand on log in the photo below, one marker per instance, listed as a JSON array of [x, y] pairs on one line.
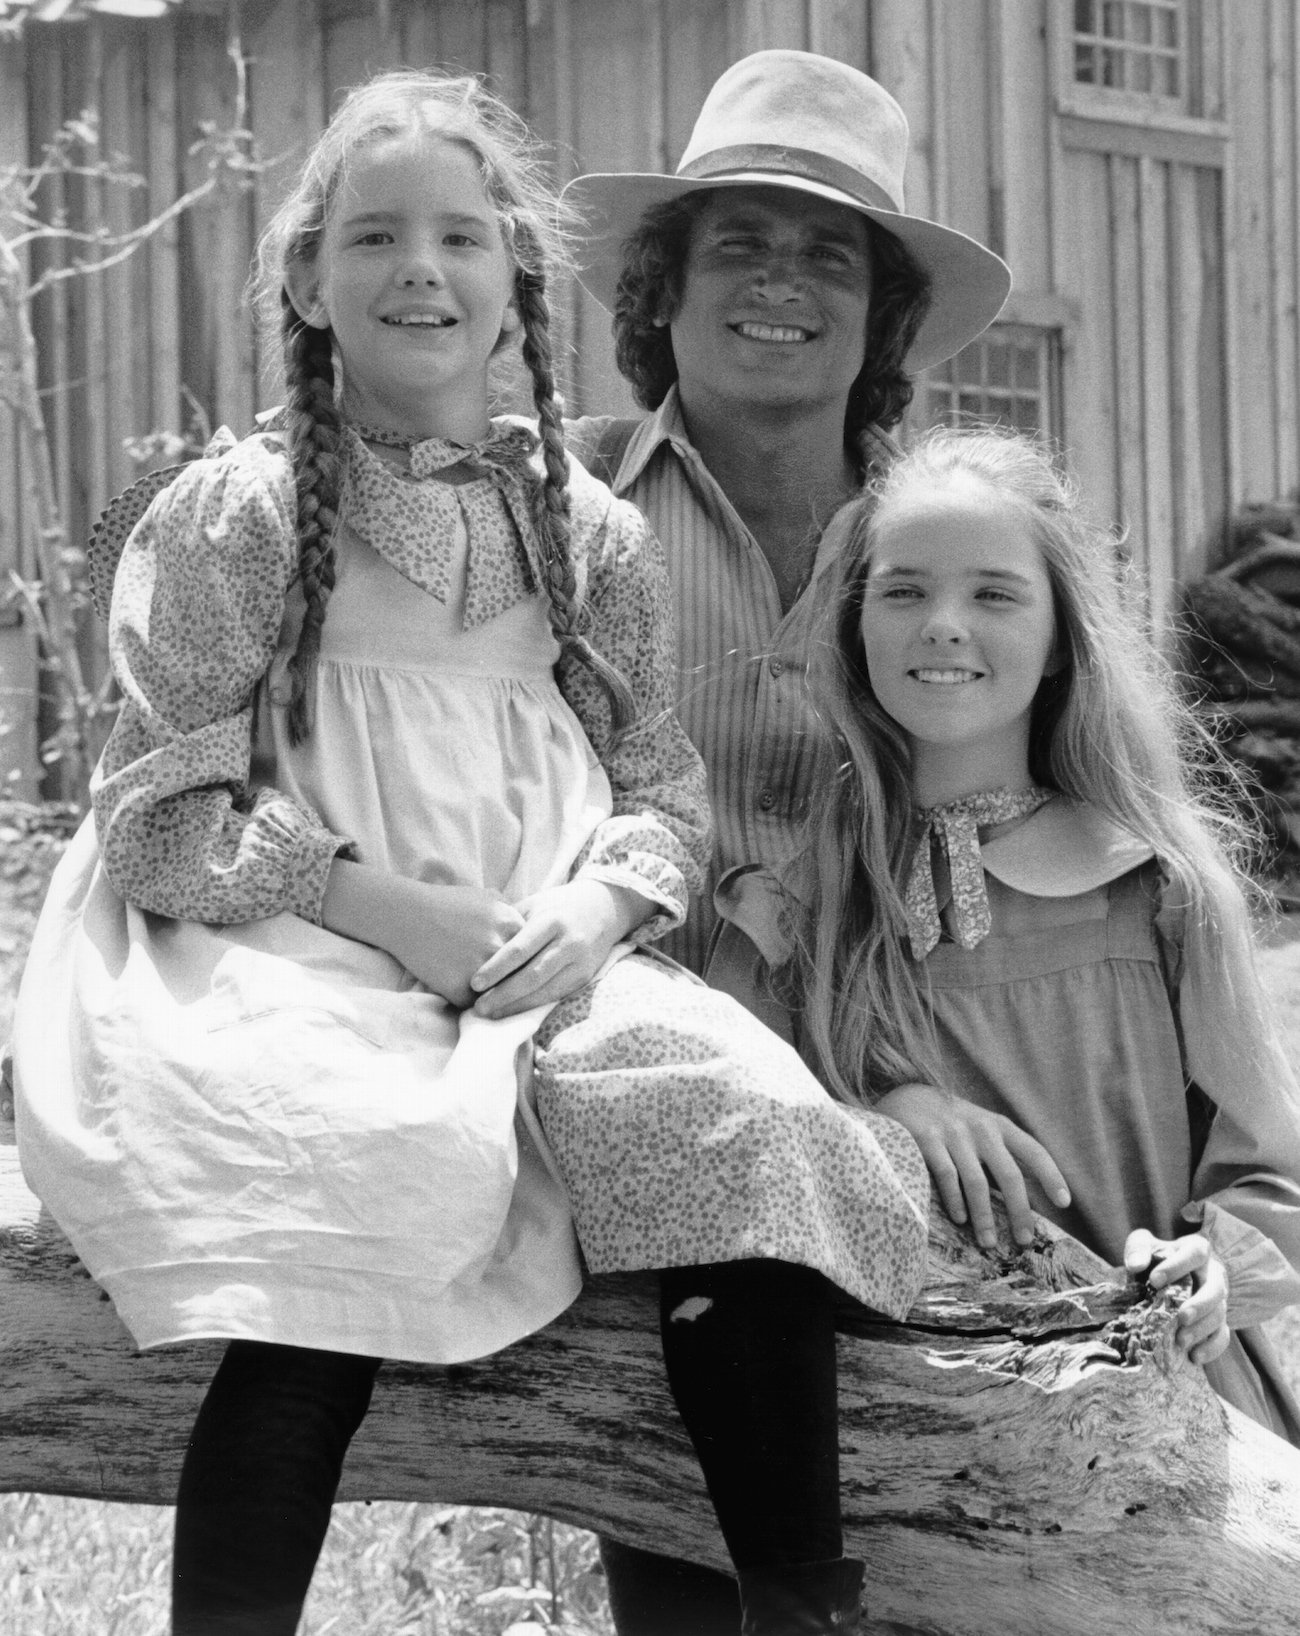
[[568, 933], [963, 1146], [1203, 1331]]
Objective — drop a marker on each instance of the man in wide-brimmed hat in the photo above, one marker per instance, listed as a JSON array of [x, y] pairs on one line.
[[771, 301]]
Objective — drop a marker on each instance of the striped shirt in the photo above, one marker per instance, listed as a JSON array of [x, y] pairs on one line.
[[742, 663]]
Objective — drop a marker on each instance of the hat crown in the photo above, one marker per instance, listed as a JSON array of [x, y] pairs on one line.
[[818, 108]]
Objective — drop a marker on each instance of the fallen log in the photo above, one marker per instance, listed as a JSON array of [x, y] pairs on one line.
[[1026, 1453]]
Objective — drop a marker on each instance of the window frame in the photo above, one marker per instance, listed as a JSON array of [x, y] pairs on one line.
[[1048, 337], [1197, 115]]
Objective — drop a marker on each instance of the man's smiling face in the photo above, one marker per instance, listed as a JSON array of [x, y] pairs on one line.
[[774, 309]]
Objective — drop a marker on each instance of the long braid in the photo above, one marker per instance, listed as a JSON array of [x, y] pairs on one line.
[[551, 502], [315, 439]]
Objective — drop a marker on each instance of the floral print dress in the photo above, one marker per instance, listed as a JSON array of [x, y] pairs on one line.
[[250, 1126]]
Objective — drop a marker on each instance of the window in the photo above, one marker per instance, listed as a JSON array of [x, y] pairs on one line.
[[1133, 46], [1007, 377]]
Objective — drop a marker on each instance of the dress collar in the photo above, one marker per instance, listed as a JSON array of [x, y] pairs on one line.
[[508, 446]]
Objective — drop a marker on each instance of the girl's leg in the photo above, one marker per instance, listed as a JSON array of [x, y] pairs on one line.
[[750, 1352], [259, 1478]]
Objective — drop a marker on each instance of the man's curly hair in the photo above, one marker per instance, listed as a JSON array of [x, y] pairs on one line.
[[653, 282]]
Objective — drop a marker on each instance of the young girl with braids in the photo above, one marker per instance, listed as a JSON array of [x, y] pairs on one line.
[[396, 771], [1021, 890]]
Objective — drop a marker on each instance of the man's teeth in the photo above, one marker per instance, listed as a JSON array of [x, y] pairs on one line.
[[771, 332], [425, 320], [948, 678]]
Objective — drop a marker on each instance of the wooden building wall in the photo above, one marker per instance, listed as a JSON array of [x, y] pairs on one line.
[[1157, 250]]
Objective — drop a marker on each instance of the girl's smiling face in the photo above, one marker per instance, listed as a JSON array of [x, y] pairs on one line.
[[958, 631], [414, 279]]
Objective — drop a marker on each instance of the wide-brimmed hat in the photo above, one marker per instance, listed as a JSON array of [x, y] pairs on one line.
[[792, 119]]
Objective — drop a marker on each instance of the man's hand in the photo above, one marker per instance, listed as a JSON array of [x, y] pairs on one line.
[[567, 935], [963, 1146], [1203, 1331]]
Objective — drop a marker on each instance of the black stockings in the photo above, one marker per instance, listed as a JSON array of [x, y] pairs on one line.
[[259, 1478], [749, 1348]]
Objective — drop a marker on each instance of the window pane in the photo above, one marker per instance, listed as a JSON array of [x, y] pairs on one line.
[[1084, 16], [1112, 19], [1004, 377], [1168, 81], [1085, 64], [1169, 27], [1112, 68], [1140, 79], [1140, 24]]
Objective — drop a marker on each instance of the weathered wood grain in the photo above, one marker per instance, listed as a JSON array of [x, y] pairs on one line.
[[1025, 1454]]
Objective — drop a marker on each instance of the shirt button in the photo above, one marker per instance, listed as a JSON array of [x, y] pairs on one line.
[[767, 801], [776, 666]]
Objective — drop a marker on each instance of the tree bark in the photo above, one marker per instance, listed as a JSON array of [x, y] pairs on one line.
[[1026, 1453]]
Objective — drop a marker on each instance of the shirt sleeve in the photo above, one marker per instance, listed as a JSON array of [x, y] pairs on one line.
[[198, 602], [1245, 1192], [658, 839]]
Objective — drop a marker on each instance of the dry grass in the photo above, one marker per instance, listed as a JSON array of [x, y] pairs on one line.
[[81, 1568]]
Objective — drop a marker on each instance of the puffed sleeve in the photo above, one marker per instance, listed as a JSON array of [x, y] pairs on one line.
[[198, 601], [658, 839], [1245, 1193]]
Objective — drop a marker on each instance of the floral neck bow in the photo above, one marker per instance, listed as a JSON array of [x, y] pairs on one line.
[[505, 450], [955, 825]]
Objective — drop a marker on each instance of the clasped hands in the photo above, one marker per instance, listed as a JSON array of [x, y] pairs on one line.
[[966, 1147], [475, 949]]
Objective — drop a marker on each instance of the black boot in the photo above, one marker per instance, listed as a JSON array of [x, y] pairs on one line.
[[811, 1599]]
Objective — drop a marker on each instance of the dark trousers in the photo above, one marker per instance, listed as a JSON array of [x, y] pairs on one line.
[[749, 1348]]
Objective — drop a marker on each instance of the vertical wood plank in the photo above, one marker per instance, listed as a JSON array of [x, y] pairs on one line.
[[764, 25], [217, 347], [19, 767], [1162, 550], [1088, 358], [287, 110], [695, 42], [1025, 119], [1281, 99], [117, 403], [1252, 348], [507, 58], [1186, 303], [462, 41], [355, 49], [617, 121], [1216, 405], [961, 91], [838, 28], [162, 255], [901, 43], [93, 392], [1126, 352], [51, 317]]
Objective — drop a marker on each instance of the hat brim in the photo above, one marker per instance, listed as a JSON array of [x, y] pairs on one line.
[[969, 284]]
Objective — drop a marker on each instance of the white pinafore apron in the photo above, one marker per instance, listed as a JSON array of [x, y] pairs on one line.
[[270, 1131]]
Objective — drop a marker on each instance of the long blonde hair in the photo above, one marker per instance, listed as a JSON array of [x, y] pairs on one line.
[[1109, 728], [533, 229]]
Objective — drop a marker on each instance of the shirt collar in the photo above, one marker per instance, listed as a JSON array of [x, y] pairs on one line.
[[664, 425], [667, 425]]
